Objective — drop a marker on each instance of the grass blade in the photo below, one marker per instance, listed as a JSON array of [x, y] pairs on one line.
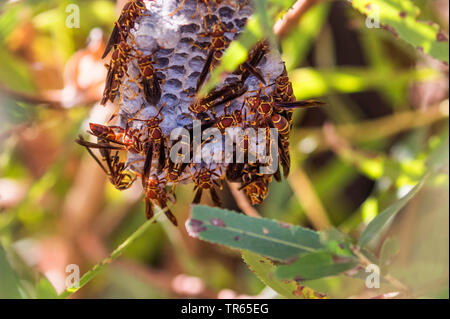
[[91, 274]]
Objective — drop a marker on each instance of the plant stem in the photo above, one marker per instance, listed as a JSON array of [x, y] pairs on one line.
[[87, 277], [393, 281], [291, 18]]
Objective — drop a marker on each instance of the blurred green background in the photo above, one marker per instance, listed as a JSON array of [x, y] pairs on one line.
[[387, 112]]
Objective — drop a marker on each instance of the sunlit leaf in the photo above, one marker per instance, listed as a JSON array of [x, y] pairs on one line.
[[296, 45], [378, 223], [308, 82], [402, 18], [10, 286], [45, 290], [389, 250]]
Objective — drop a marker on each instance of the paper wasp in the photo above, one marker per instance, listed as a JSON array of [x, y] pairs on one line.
[[264, 105], [116, 71], [155, 191], [254, 58], [216, 48], [122, 27], [283, 91], [115, 169], [206, 179], [217, 97], [149, 78], [255, 184], [130, 139], [154, 141], [229, 120]]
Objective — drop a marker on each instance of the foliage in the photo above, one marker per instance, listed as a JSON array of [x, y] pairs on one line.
[[402, 18], [374, 161]]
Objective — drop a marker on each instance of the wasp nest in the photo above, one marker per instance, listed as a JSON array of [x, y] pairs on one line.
[[162, 52]]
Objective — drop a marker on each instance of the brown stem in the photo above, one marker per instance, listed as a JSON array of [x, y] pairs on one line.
[[290, 20], [30, 98], [242, 201], [307, 196], [393, 281]]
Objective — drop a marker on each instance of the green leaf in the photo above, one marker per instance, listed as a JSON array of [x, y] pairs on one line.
[[389, 250], [264, 270], [401, 17], [336, 242], [296, 45], [439, 156], [309, 82], [315, 266], [10, 287], [378, 223], [263, 236], [45, 290]]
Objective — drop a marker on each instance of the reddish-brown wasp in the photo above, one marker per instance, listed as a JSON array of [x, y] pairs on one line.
[[284, 128], [235, 170], [116, 71], [216, 48], [177, 167], [115, 169], [283, 91], [175, 171], [264, 105], [130, 12], [282, 125], [257, 190], [229, 120], [155, 140], [131, 139], [255, 184], [150, 81], [254, 58], [155, 191], [206, 179], [217, 97]]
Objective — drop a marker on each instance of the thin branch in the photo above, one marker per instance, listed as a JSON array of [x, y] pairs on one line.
[[392, 125], [307, 196], [91, 274], [242, 201], [30, 98], [292, 17], [393, 281]]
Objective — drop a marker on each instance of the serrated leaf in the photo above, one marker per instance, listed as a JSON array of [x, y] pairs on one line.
[[264, 269], [401, 17], [389, 250], [45, 290], [378, 223], [315, 266], [10, 286], [262, 236]]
